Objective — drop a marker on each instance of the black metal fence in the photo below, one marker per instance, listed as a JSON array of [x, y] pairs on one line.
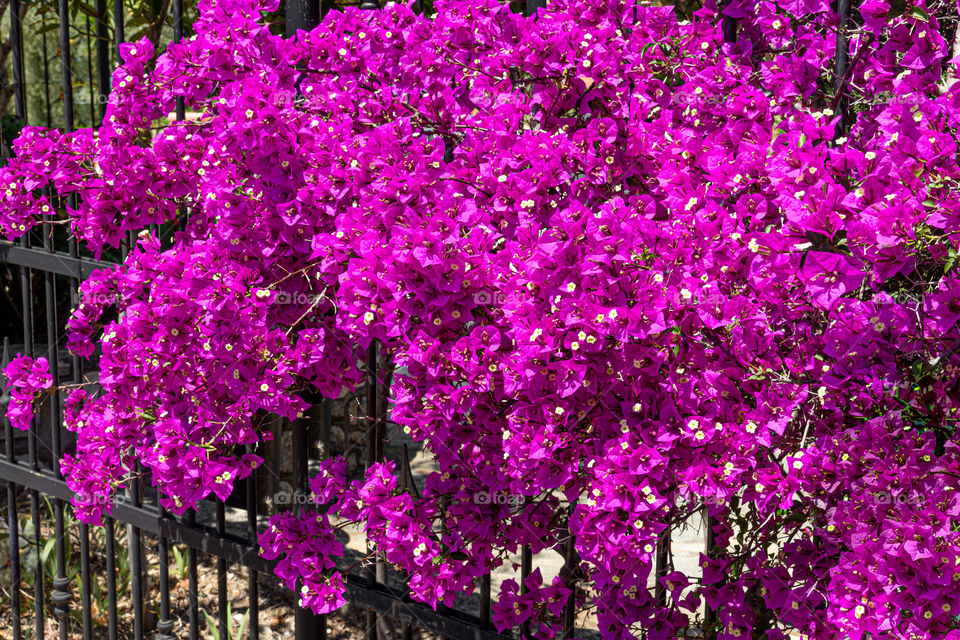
[[67, 561]]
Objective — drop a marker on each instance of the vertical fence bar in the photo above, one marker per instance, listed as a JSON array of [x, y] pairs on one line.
[[840, 65], [533, 5], [663, 555], [222, 619], [85, 596], [110, 538], [164, 623], [177, 37], [327, 426], [303, 15], [407, 484], [709, 614], [386, 625], [253, 594], [485, 599], [118, 28], [729, 29], [571, 567], [103, 57], [526, 568], [13, 520], [26, 284], [308, 626], [65, 71], [728, 26], [194, 606], [92, 92], [371, 571], [135, 548], [46, 80], [16, 44], [77, 378], [61, 595]]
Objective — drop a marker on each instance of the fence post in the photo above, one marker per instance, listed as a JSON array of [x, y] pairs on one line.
[[709, 614], [570, 573], [13, 520], [307, 625], [16, 44], [118, 37], [840, 65], [303, 15], [103, 58], [728, 26], [61, 596], [663, 552], [374, 453]]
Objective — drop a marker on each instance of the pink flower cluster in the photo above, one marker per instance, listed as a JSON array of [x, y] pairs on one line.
[[626, 272], [27, 379]]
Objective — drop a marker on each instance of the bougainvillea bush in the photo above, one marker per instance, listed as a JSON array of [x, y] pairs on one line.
[[625, 271]]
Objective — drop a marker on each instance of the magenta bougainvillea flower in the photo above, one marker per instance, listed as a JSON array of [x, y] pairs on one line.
[[624, 271], [28, 379]]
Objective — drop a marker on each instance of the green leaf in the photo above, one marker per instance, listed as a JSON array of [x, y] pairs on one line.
[[121, 559], [951, 260], [917, 367], [242, 625], [211, 625], [86, 9], [45, 556], [920, 14]]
